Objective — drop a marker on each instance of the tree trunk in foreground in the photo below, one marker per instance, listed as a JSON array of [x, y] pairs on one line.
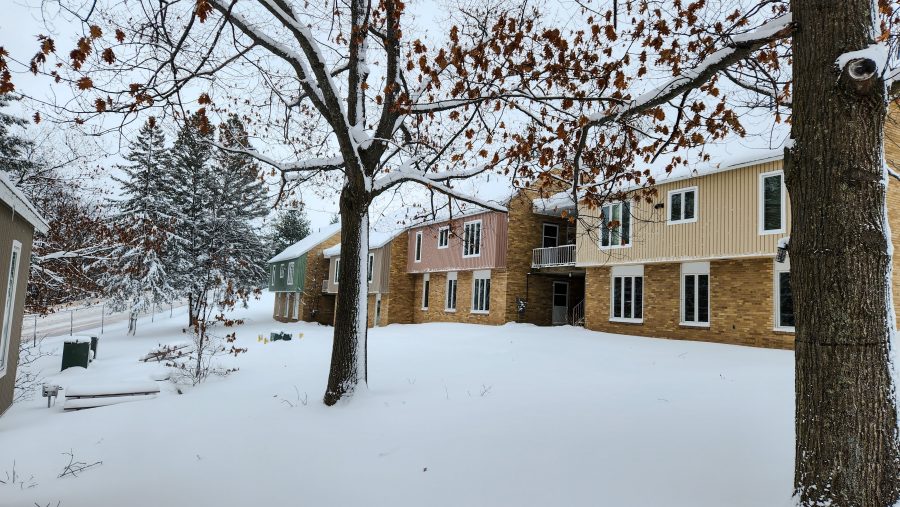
[[348, 355], [846, 418]]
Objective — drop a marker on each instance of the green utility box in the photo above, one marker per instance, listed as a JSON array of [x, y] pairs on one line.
[[280, 335], [76, 352]]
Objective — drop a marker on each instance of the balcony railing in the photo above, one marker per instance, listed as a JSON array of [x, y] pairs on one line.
[[553, 256]]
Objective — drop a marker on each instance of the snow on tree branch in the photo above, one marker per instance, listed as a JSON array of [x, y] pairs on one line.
[[740, 47]]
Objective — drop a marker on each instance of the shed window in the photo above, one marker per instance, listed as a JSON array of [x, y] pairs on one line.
[[9, 305]]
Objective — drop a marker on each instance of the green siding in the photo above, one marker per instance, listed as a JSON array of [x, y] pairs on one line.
[[279, 283]]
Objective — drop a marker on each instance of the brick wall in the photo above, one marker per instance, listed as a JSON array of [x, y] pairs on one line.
[[316, 273], [525, 234], [741, 297], [437, 295], [401, 291]]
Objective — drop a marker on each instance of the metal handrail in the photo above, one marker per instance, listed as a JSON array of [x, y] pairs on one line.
[[553, 256]]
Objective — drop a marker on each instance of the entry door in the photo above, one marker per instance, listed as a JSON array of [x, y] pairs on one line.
[[560, 303]]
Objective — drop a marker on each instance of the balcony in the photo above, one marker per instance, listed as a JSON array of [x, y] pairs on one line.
[[553, 256]]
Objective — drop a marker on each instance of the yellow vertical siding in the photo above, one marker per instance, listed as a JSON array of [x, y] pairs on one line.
[[727, 224]]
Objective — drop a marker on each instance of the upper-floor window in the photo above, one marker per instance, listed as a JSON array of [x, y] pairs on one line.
[[337, 270], [444, 237], [683, 205], [290, 279], [9, 306], [370, 268], [418, 257], [472, 239], [273, 275], [615, 225], [771, 203], [281, 272], [550, 236]]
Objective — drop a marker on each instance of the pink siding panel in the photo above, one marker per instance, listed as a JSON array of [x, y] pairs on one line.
[[494, 227]]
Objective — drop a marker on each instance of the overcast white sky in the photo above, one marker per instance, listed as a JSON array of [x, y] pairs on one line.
[[21, 21]]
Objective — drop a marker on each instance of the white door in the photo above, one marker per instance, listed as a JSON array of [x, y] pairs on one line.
[[560, 303]]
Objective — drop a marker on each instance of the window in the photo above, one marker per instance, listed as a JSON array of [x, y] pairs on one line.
[[273, 276], [281, 271], [426, 288], [472, 239], [337, 270], [784, 299], [615, 225], [418, 257], [695, 294], [771, 203], [444, 237], [550, 236], [683, 206], [290, 280], [481, 292], [450, 300], [370, 268], [9, 305], [627, 294]]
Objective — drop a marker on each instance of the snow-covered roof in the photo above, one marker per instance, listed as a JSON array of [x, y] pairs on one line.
[[560, 201], [377, 239], [20, 204], [306, 244]]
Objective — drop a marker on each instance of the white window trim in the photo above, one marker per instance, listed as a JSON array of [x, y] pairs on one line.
[[544, 232], [780, 267], [761, 204], [441, 230], [281, 272], [10, 301], [451, 277], [480, 235], [630, 230], [337, 271], [426, 281], [682, 191], [273, 276], [290, 274], [287, 305], [370, 268], [417, 248], [694, 268], [480, 275], [631, 271]]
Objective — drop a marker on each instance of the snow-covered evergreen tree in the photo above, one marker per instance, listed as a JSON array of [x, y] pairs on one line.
[[291, 225], [136, 277], [12, 146]]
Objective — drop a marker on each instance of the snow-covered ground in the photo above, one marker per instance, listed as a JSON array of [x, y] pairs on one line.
[[454, 415]]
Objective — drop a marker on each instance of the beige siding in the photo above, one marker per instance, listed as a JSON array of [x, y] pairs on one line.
[[381, 270], [727, 224]]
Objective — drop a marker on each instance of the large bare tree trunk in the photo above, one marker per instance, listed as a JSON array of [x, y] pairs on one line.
[[846, 418], [348, 355]]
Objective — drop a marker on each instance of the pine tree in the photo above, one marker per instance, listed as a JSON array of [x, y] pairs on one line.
[[136, 278], [291, 225], [12, 146], [193, 197]]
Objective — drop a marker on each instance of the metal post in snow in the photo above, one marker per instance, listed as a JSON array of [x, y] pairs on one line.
[[170, 309], [34, 331], [71, 321], [153, 315], [102, 315]]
